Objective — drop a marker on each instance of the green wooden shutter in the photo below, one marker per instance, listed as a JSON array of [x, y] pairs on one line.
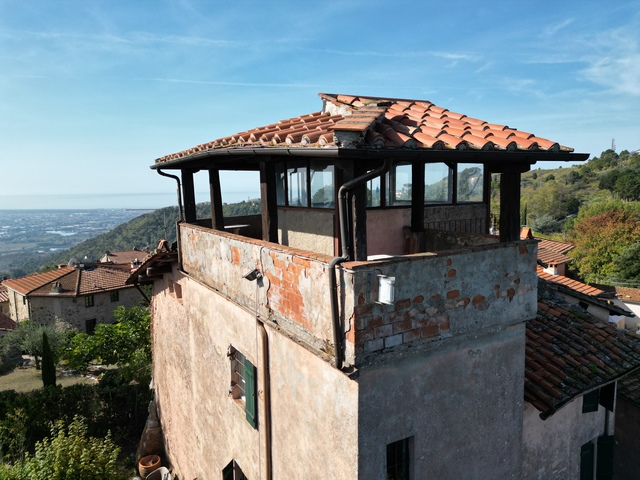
[[251, 405], [227, 472], [604, 464], [608, 396], [586, 461], [590, 401]]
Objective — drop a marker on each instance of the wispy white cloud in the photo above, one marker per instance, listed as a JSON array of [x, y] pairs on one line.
[[615, 61], [551, 30], [239, 84]]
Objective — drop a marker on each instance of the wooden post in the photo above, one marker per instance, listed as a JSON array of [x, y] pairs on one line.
[[217, 217], [509, 206], [359, 218], [189, 195], [268, 202]]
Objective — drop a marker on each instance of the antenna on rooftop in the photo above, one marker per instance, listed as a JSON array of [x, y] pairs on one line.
[[613, 144]]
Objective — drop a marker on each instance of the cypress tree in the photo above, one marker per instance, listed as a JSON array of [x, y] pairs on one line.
[[48, 364]]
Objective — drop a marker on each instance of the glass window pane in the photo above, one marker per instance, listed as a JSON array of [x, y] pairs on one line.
[[437, 183], [399, 185], [322, 185], [297, 177], [280, 176], [470, 182], [373, 192]]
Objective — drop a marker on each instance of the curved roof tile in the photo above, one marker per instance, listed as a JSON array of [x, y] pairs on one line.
[[411, 124]]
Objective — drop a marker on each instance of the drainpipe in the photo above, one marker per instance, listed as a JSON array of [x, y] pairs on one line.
[[177, 179], [267, 396], [344, 237]]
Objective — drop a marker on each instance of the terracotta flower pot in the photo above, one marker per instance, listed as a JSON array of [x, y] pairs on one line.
[[148, 464]]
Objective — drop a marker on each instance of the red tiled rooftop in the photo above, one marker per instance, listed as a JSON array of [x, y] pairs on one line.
[[627, 294], [549, 257], [568, 355], [6, 323], [382, 123], [569, 283], [71, 282], [4, 296], [555, 246]]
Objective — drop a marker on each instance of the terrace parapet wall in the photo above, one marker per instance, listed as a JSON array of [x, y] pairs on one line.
[[439, 296]]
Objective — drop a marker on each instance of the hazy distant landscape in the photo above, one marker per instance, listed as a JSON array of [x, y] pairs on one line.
[[31, 235]]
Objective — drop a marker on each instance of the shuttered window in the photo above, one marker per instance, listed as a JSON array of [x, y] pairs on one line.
[[251, 409], [587, 452], [604, 469], [590, 401]]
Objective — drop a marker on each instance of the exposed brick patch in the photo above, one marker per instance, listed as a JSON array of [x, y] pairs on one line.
[[451, 294], [477, 300], [383, 331], [235, 255], [522, 248], [404, 303], [452, 273], [511, 293], [429, 331], [402, 326], [418, 299], [435, 298], [361, 299], [411, 336], [393, 341], [374, 345], [496, 289], [365, 309], [449, 262], [517, 281]]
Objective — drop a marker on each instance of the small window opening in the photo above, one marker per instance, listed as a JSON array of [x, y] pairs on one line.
[[398, 459]]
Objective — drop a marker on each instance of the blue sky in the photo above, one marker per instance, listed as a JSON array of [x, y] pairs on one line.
[[92, 91]]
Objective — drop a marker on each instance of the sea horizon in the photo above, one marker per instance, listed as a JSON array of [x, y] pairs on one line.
[[98, 201]]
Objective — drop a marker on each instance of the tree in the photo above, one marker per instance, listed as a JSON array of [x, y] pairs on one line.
[[48, 363], [125, 343], [627, 185], [628, 265], [28, 338], [601, 233]]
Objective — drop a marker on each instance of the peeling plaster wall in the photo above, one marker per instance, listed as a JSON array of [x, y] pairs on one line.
[[384, 231], [294, 289], [549, 452], [440, 295], [461, 403], [306, 229], [314, 407]]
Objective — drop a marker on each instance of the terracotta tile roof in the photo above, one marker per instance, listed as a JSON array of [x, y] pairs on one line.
[[4, 296], [549, 257], [6, 323], [123, 257], [569, 283], [71, 282], [629, 388], [555, 246], [26, 285], [626, 294], [373, 123], [570, 354]]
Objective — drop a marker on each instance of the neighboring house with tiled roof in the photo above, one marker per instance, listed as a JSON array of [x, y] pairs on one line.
[[7, 324], [4, 299], [81, 296], [551, 253], [573, 361], [366, 313], [130, 258]]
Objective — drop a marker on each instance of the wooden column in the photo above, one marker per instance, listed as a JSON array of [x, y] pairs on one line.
[[217, 217], [509, 206], [268, 202], [417, 197], [189, 195]]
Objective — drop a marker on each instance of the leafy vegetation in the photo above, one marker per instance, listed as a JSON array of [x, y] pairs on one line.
[[28, 338], [69, 453], [125, 343]]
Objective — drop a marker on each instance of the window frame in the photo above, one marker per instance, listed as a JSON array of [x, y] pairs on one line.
[[114, 295], [399, 459], [283, 181], [243, 384], [89, 301]]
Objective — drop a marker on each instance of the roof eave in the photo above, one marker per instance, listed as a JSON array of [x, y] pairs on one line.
[[202, 159]]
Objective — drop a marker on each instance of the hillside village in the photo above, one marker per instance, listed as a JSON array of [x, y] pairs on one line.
[[366, 324]]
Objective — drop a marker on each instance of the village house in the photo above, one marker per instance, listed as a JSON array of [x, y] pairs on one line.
[[82, 296], [366, 324], [124, 258]]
